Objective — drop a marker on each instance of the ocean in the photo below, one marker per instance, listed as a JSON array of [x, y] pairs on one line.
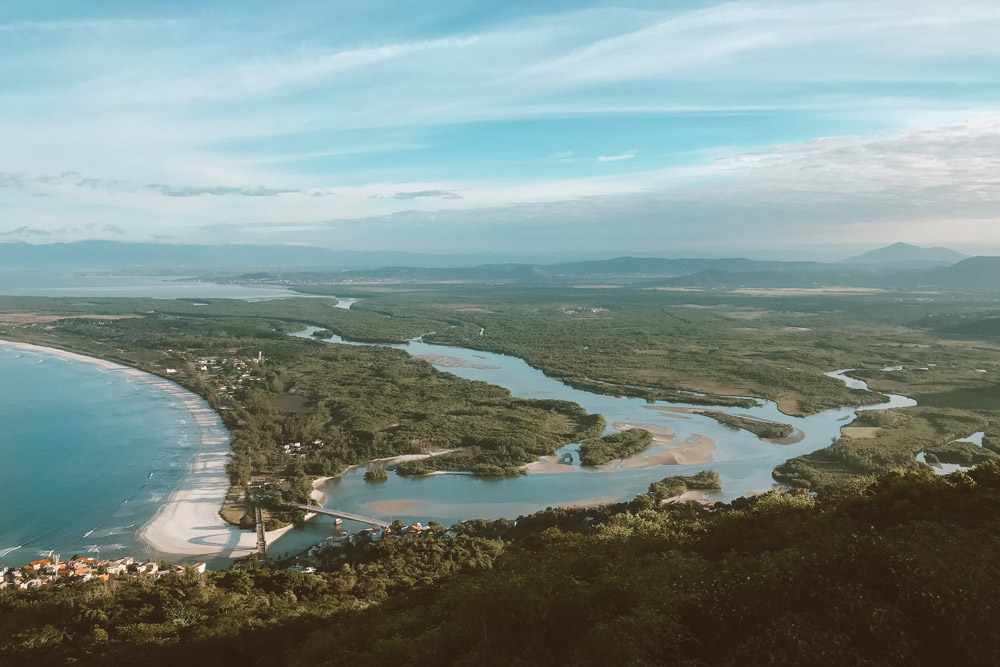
[[87, 456]]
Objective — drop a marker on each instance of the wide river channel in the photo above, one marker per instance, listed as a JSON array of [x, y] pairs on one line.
[[743, 461]]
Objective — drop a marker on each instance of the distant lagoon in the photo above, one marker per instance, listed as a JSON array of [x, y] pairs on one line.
[[85, 284]]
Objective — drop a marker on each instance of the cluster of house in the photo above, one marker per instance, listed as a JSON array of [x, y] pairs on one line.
[[231, 374], [584, 310], [52, 570], [299, 450]]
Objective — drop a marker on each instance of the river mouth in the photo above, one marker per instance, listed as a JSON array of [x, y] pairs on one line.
[[744, 462]]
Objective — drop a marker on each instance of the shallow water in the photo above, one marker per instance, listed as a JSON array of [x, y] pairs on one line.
[[46, 283]]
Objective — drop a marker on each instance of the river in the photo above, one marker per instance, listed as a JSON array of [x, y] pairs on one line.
[[743, 461], [104, 509]]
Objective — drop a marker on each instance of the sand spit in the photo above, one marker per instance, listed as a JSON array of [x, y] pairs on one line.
[[188, 524], [797, 435]]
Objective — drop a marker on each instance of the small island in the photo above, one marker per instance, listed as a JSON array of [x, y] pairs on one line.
[[760, 427], [376, 475], [672, 487], [615, 446]]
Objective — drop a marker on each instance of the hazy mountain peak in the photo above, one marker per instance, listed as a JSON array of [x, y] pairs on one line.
[[898, 253]]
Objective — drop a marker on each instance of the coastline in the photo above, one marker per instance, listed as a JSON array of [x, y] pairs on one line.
[[188, 524]]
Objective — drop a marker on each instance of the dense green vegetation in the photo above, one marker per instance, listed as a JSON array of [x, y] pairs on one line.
[[898, 437], [663, 344], [624, 341], [376, 475], [759, 427], [671, 487], [899, 570], [340, 405], [614, 446]]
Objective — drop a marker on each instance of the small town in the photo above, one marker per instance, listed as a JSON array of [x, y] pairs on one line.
[[78, 569], [53, 570]]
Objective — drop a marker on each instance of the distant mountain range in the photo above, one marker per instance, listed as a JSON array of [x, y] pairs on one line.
[[899, 266], [975, 274], [904, 255]]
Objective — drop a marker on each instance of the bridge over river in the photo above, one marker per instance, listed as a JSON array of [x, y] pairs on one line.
[[340, 515]]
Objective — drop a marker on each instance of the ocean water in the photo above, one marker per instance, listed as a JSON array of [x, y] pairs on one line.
[[87, 456]]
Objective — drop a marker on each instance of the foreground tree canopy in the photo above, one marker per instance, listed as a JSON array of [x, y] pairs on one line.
[[899, 570]]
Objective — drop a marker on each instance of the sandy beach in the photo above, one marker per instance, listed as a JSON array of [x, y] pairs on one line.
[[316, 494], [188, 524]]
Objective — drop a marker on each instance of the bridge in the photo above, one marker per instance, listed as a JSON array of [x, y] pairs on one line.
[[261, 540], [341, 515]]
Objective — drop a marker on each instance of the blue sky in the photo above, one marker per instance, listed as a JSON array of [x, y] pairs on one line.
[[673, 127]]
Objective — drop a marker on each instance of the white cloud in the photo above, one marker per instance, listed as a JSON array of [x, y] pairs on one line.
[[628, 155], [133, 102]]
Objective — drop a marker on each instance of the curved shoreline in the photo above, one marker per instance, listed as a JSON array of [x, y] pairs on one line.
[[188, 524]]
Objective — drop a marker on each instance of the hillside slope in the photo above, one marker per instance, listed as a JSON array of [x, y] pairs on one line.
[[902, 571]]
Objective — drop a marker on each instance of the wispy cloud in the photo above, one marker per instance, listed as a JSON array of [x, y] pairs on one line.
[[26, 231], [422, 194], [222, 190], [178, 120], [628, 155]]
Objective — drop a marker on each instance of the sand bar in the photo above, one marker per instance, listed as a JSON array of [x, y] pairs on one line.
[[548, 464], [188, 524], [665, 450], [391, 507]]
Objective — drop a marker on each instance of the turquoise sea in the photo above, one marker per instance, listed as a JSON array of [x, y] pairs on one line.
[[86, 457]]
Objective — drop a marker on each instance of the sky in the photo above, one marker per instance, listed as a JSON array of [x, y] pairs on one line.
[[673, 127]]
